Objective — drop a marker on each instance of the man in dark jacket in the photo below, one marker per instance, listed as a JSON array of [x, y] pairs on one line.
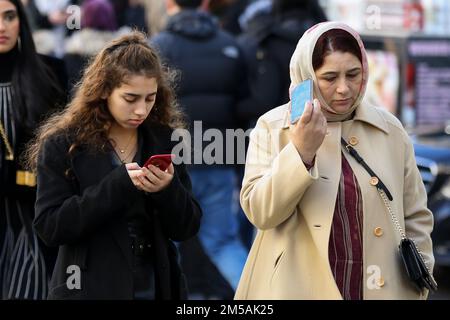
[[212, 81]]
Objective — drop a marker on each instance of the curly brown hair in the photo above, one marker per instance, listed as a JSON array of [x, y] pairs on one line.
[[87, 118]]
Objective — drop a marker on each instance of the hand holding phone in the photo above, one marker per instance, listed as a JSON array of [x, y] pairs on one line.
[[308, 134], [301, 94], [162, 161]]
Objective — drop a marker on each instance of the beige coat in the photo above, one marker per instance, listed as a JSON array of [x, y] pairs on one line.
[[293, 208]]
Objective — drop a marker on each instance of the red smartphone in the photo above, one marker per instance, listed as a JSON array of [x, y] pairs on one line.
[[162, 161]]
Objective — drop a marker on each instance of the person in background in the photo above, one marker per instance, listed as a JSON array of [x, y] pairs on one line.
[[113, 218], [51, 16], [31, 87], [156, 15], [212, 82], [135, 15], [98, 27], [325, 230], [228, 12], [130, 13]]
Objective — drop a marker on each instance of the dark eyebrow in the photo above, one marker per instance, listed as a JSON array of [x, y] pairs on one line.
[[138, 95], [132, 94], [330, 73], [333, 73], [9, 11], [354, 69]]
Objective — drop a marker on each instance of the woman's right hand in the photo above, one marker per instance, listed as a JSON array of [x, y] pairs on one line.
[[309, 132], [150, 179]]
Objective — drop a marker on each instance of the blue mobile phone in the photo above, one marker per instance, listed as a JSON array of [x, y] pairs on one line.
[[301, 94]]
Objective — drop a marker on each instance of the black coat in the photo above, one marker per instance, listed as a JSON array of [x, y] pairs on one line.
[[212, 69], [86, 217]]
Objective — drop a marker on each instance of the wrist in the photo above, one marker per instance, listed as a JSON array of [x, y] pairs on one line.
[[309, 164], [307, 158]]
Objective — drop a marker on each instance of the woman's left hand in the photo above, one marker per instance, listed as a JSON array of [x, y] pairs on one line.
[[155, 179]]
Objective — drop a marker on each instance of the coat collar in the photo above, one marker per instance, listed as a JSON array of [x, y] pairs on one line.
[[371, 115], [364, 113]]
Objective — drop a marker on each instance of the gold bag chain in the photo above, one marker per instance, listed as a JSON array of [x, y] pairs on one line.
[[23, 178], [9, 151]]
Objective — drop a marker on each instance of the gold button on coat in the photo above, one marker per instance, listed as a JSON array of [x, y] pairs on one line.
[[374, 181], [353, 141], [378, 231], [380, 282]]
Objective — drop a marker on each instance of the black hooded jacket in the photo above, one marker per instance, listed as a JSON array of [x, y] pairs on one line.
[[212, 76]]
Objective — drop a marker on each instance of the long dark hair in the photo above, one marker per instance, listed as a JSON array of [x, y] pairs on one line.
[[34, 85], [87, 118]]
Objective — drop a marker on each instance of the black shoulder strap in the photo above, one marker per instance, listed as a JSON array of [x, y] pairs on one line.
[[360, 160]]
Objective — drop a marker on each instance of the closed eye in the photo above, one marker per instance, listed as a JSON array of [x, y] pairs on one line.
[[129, 100]]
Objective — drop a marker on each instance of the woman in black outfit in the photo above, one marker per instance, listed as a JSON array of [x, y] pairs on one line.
[[28, 91], [114, 220]]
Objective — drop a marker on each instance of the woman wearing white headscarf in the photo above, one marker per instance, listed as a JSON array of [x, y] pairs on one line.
[[324, 232]]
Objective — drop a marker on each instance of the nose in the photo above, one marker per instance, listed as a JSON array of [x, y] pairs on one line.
[[2, 25], [141, 109], [342, 87]]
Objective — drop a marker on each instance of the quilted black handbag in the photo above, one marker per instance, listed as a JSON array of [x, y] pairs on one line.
[[415, 266]]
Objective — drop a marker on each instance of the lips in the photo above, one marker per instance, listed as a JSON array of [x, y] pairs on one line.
[[135, 121], [4, 38], [344, 101]]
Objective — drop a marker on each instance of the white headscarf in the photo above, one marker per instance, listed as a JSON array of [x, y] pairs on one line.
[[301, 67]]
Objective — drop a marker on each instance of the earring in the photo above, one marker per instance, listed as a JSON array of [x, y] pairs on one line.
[[19, 44]]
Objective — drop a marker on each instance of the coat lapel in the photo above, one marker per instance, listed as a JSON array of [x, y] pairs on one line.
[[90, 168]]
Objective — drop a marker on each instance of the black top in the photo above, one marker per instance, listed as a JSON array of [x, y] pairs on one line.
[[7, 63], [140, 233], [139, 222], [16, 131]]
